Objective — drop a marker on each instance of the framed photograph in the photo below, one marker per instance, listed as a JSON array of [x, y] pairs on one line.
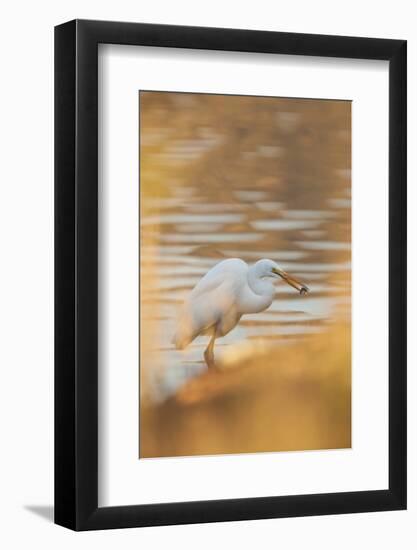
[[230, 252]]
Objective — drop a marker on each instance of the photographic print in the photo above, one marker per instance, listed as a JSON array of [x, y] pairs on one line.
[[245, 274]]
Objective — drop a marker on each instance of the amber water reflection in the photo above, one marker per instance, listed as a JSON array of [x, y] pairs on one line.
[[228, 176]]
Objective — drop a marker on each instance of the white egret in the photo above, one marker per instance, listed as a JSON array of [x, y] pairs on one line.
[[226, 292]]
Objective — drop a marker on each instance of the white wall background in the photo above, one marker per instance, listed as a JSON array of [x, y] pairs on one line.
[[26, 271]]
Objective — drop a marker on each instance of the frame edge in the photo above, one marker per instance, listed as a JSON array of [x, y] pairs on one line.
[[65, 258], [398, 274]]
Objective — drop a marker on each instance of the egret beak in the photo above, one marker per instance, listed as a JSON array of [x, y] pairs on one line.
[[292, 281]]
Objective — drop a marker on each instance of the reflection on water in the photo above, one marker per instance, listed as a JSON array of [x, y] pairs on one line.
[[222, 179]]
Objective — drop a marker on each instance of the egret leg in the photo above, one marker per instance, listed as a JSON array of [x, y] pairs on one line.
[[209, 352]]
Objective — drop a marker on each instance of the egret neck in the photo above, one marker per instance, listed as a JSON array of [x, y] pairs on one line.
[[258, 284]]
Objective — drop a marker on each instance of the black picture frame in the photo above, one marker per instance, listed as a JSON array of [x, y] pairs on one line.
[[76, 274]]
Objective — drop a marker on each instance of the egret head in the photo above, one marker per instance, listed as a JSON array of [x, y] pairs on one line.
[[268, 268]]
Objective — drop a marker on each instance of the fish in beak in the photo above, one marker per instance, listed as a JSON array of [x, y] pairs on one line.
[[292, 281]]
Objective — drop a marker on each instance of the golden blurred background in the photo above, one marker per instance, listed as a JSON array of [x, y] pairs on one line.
[[249, 177]]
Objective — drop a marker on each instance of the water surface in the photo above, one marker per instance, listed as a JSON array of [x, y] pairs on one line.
[[286, 198]]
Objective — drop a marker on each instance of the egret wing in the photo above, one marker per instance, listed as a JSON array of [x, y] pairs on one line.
[[229, 270], [210, 300]]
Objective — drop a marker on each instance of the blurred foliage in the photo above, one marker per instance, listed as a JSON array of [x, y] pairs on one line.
[[293, 146], [287, 399]]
